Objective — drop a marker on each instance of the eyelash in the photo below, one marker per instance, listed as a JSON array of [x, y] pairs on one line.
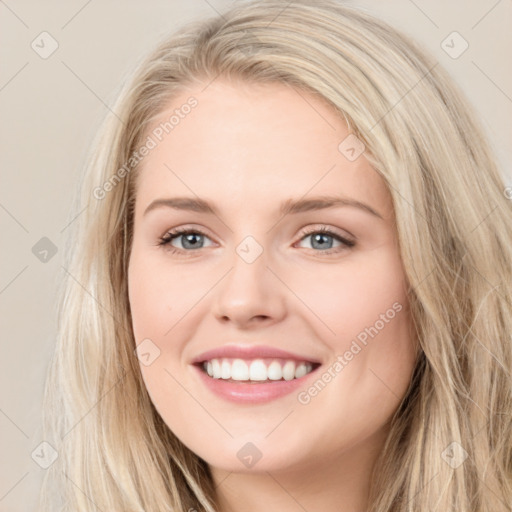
[[176, 233]]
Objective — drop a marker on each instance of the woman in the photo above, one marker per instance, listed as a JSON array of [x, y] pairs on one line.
[[291, 285]]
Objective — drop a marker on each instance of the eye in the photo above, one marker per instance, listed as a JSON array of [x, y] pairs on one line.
[[192, 239], [320, 239]]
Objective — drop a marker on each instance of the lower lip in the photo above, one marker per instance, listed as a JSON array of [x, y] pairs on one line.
[[251, 392]]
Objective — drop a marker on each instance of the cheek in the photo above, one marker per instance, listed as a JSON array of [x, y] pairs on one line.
[[154, 312], [365, 319], [351, 296], [372, 351], [145, 302], [158, 296]]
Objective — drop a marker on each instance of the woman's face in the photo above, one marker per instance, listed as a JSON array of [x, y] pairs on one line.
[[259, 274]]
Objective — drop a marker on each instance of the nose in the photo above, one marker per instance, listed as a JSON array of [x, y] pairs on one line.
[[250, 294]]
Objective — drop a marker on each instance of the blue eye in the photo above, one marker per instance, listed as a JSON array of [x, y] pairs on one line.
[[320, 235], [191, 240]]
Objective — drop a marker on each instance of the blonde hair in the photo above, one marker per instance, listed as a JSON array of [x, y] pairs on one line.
[[453, 222]]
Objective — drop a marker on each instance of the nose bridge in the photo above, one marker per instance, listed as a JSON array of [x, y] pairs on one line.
[[249, 289], [250, 250], [249, 267]]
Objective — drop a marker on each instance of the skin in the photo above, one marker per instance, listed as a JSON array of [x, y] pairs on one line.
[[246, 148]]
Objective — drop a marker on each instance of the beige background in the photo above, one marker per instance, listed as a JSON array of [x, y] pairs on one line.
[[50, 110]]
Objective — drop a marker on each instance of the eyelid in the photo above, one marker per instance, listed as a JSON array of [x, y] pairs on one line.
[[346, 235]]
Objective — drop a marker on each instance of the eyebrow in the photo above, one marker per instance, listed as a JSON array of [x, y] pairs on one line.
[[289, 206]]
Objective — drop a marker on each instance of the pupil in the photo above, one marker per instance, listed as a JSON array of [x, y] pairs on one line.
[[190, 239], [318, 238]]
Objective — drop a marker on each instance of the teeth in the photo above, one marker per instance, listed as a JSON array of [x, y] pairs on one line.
[[239, 370], [216, 368], [225, 370], [256, 370], [301, 370], [289, 370], [274, 371]]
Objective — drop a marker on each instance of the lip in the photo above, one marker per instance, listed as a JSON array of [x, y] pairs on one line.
[[251, 352], [252, 392]]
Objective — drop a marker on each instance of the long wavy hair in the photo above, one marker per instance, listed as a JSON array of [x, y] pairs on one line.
[[454, 226]]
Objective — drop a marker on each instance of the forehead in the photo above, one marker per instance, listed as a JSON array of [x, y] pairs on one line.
[[244, 141]]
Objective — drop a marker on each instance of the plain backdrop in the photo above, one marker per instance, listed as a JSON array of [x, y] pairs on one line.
[[51, 107]]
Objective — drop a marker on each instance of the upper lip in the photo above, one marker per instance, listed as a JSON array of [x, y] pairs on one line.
[[250, 352]]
